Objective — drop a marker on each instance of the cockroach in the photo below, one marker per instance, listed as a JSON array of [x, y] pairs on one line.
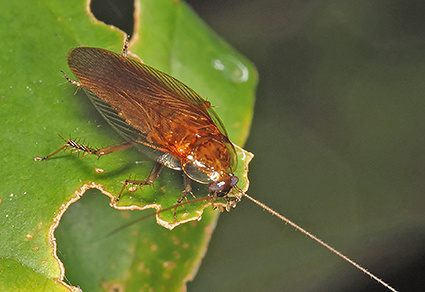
[[140, 102]]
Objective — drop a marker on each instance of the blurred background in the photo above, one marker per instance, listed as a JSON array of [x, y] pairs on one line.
[[338, 137]]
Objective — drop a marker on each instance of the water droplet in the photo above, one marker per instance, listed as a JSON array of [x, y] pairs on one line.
[[218, 65], [232, 68]]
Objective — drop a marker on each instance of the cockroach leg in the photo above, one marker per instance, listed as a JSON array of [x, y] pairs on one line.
[[125, 46], [187, 190], [38, 158], [187, 187], [73, 82], [111, 149], [76, 146], [213, 197], [231, 202], [149, 181]]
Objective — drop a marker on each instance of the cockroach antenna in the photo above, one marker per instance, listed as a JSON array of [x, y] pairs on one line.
[[273, 212], [167, 121], [315, 238]]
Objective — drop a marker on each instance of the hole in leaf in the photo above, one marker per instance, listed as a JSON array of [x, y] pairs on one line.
[[119, 13], [88, 255]]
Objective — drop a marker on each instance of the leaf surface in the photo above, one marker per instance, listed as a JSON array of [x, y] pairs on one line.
[[36, 104]]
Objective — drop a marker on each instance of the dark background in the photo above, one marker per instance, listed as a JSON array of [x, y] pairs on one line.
[[338, 138]]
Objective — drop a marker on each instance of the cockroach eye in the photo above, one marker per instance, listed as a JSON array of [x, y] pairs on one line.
[[222, 187], [217, 186], [233, 181]]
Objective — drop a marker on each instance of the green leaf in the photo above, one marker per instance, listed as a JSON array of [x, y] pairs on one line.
[[37, 104]]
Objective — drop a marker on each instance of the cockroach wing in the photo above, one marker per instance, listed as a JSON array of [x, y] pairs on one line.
[[132, 135], [146, 106]]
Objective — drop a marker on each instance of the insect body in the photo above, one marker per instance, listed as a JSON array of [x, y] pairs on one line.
[[167, 121], [158, 115]]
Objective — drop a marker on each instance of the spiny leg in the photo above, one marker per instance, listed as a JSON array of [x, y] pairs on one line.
[[125, 46], [38, 158], [153, 175], [78, 147], [73, 82], [75, 146], [111, 149], [187, 190], [231, 202], [214, 206]]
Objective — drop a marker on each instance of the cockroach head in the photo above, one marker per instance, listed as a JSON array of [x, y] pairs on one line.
[[223, 186]]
